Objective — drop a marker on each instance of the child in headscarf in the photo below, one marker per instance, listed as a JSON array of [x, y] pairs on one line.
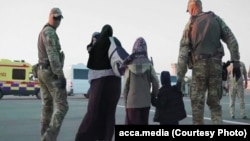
[[93, 40]]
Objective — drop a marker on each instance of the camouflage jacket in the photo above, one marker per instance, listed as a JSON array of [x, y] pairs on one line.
[[201, 35], [49, 49]]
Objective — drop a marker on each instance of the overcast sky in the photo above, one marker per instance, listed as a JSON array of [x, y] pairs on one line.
[[160, 22]]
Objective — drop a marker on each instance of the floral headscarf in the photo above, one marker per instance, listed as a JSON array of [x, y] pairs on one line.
[[139, 51], [140, 48]]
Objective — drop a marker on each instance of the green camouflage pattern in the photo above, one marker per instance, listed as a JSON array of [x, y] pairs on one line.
[[227, 37], [54, 104], [206, 74], [50, 41], [236, 88], [183, 53], [206, 84], [230, 40], [54, 98]]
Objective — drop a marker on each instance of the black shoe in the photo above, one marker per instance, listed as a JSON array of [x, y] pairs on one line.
[[245, 117], [232, 117]]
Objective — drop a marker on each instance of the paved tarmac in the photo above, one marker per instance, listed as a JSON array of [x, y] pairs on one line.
[[20, 116]]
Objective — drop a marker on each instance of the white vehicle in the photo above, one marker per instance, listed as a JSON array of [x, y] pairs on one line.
[[77, 79]]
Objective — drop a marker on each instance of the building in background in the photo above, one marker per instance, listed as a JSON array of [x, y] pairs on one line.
[[174, 69]]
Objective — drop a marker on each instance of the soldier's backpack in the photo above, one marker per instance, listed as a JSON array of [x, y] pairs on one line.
[[117, 54], [197, 49]]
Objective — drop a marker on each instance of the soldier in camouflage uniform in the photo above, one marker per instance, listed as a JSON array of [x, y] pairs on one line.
[[200, 45], [236, 88], [51, 78]]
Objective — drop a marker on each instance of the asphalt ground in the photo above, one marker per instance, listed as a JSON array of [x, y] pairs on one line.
[[20, 116]]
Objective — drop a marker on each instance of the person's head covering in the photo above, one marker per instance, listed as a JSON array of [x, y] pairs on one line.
[[140, 48], [139, 51], [107, 31], [165, 78], [193, 2], [56, 12], [103, 36], [95, 34]]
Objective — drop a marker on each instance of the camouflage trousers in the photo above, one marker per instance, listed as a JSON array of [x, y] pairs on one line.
[[237, 89], [206, 85], [54, 105]]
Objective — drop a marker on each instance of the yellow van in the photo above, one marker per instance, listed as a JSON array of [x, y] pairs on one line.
[[16, 78]]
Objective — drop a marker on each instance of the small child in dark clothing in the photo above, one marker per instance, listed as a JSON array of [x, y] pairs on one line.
[[169, 103]]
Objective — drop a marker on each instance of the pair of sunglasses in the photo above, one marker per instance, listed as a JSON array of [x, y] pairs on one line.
[[58, 18]]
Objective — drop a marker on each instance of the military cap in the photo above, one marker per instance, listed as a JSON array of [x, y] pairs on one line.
[[193, 1], [56, 12]]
